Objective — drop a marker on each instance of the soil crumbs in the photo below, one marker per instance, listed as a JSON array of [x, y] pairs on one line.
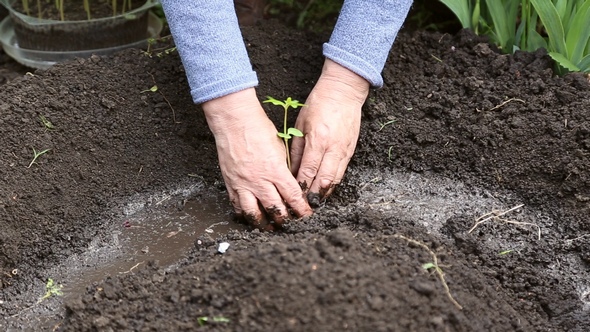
[[502, 126]]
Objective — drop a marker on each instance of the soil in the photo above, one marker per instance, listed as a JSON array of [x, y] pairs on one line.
[[459, 130]]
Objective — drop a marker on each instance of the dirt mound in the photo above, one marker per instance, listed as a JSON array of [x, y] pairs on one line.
[[503, 127]]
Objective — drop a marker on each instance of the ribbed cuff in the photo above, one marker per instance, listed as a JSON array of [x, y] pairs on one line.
[[354, 63], [224, 87]]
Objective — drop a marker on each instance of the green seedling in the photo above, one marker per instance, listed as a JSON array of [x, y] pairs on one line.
[[152, 89], [216, 319], [37, 155], [383, 125], [52, 289], [46, 122], [505, 252], [287, 133]]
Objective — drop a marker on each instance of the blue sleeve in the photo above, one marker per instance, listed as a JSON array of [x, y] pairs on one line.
[[211, 47], [364, 34]]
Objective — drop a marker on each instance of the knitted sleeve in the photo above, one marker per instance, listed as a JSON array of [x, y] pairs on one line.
[[364, 34], [211, 47]]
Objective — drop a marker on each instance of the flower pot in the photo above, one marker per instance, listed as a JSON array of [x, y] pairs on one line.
[[41, 34]]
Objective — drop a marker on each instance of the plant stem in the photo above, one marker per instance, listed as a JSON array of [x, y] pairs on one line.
[[286, 107]]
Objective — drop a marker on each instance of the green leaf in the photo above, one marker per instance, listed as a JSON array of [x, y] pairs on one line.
[[428, 266], [552, 23], [295, 132], [505, 252], [504, 14], [284, 136], [461, 9], [270, 99], [584, 65], [578, 33], [563, 61]]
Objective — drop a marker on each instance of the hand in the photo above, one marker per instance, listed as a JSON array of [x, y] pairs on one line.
[[252, 160], [330, 123]]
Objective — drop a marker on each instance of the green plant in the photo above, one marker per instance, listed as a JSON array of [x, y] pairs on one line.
[[46, 122], [51, 289], [216, 319], [567, 25], [560, 26], [287, 133], [37, 155]]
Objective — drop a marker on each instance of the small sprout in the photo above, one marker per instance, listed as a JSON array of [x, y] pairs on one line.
[[383, 125], [287, 133], [37, 155], [46, 122], [505, 252], [389, 153], [216, 319], [152, 89], [428, 266], [51, 289]]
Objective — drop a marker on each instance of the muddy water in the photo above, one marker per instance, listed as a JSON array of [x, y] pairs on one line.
[[159, 228]]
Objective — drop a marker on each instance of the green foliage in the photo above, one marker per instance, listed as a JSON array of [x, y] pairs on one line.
[[287, 133], [215, 319], [36, 155], [52, 289], [560, 26]]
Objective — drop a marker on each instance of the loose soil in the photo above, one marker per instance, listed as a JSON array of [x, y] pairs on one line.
[[459, 130]]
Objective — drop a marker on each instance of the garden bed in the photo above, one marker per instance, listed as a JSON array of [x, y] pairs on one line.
[[458, 131]]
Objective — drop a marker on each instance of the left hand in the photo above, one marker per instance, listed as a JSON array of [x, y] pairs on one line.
[[330, 122]]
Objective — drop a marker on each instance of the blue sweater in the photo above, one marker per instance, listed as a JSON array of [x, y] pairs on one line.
[[216, 62]]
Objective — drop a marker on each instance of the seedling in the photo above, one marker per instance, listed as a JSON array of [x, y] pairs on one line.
[[152, 89], [216, 319], [287, 133], [51, 289], [46, 122], [505, 252], [37, 155]]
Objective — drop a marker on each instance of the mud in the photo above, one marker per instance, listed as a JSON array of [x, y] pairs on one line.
[[458, 132]]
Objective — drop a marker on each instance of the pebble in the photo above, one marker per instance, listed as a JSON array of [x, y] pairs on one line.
[[222, 247]]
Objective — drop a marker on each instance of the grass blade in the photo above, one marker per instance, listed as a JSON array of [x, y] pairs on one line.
[[579, 33]]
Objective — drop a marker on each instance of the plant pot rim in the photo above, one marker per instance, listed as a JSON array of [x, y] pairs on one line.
[[45, 59], [31, 20]]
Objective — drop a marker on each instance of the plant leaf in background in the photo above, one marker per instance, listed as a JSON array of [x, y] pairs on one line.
[[564, 28], [463, 9], [568, 40]]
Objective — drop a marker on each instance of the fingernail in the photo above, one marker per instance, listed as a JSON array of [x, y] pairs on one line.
[[313, 199]]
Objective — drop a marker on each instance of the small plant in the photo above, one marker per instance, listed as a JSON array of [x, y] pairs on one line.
[[46, 122], [52, 289], [216, 319], [37, 155], [287, 133]]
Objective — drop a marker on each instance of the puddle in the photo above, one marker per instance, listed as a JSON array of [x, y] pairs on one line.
[[147, 234], [165, 236]]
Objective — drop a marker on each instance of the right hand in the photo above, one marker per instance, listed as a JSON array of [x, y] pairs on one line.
[[253, 161]]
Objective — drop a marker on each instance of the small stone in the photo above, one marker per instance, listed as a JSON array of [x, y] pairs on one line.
[[222, 247], [424, 288]]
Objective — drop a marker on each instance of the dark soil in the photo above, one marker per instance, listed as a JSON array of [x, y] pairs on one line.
[[502, 126]]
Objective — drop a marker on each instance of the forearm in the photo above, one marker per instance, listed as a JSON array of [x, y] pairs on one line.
[[364, 34], [210, 44]]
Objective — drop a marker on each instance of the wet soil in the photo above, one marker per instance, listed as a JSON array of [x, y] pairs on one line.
[[459, 131]]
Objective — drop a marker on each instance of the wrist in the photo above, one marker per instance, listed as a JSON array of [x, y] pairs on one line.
[[232, 110], [342, 79]]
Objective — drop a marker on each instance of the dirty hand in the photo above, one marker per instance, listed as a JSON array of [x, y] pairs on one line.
[[252, 160], [330, 123]]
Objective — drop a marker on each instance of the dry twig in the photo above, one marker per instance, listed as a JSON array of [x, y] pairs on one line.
[[438, 270], [495, 215]]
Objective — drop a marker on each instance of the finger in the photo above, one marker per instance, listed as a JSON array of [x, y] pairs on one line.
[[326, 175], [294, 198], [250, 209], [297, 148], [310, 164], [273, 205], [338, 179]]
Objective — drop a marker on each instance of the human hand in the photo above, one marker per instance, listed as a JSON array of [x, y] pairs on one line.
[[330, 122], [252, 161]]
